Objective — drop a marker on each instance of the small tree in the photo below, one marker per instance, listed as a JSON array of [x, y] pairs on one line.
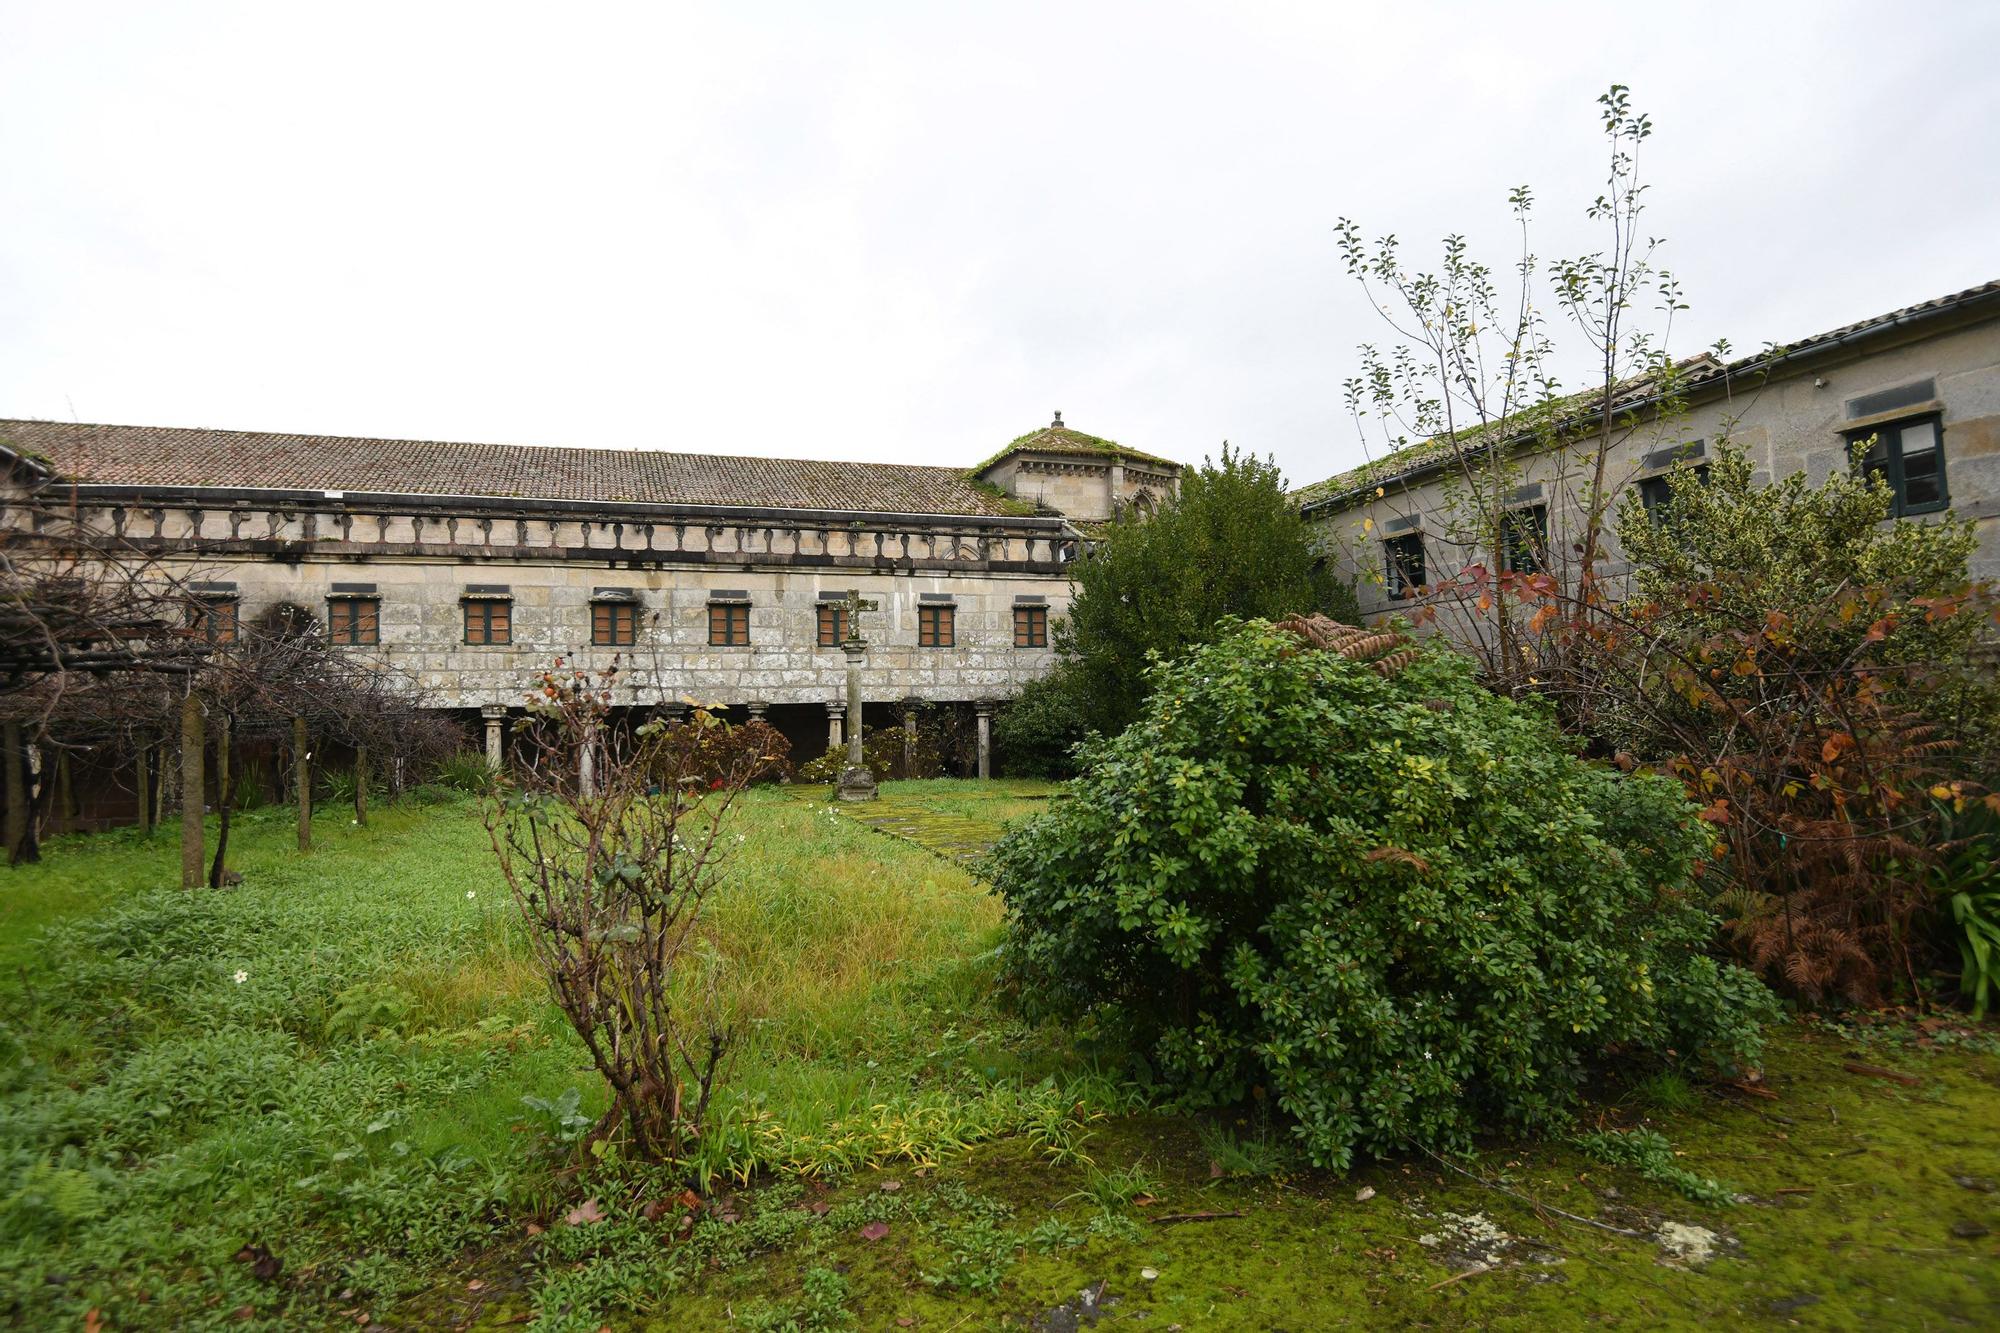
[[1473, 383], [1231, 543], [611, 839]]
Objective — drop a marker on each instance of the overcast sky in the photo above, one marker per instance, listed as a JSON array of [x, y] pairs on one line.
[[910, 232]]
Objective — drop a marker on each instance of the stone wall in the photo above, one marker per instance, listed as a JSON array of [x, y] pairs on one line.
[[1793, 423], [420, 562]]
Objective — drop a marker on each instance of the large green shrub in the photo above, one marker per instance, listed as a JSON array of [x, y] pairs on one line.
[[1402, 903]]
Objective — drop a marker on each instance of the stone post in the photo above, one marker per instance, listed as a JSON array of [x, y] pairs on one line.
[[856, 782], [361, 785], [835, 711], [302, 782], [982, 711], [495, 717], [194, 740], [758, 708], [910, 736], [144, 775]]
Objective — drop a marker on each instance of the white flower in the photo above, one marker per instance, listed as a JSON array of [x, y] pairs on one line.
[[241, 976], [470, 895]]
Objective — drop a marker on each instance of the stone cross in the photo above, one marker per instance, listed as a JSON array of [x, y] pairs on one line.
[[856, 782]]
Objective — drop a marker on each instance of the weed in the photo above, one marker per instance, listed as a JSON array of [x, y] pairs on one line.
[[1666, 1091], [978, 1254], [1113, 1190], [1052, 1235], [1648, 1152], [1260, 1155]]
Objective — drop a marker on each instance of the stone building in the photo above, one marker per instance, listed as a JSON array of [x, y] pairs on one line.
[[1921, 383], [471, 567]]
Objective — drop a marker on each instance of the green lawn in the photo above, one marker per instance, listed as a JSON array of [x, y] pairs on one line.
[[895, 1145]]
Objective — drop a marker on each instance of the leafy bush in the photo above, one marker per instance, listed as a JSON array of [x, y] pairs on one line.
[[1397, 899], [1810, 672], [713, 754], [466, 771], [1967, 879], [1034, 735]]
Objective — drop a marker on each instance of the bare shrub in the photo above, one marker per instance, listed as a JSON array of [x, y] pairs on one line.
[[611, 838]]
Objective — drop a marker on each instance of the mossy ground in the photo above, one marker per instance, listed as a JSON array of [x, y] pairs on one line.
[[394, 1167], [1860, 1194]]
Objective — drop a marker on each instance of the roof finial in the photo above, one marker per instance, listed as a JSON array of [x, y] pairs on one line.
[[1058, 421]]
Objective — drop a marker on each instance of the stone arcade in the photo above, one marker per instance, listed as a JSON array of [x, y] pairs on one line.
[[473, 566]]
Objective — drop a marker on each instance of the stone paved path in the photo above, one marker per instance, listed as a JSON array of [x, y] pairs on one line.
[[955, 837]]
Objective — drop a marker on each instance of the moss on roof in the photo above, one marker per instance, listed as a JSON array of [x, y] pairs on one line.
[[1060, 439]]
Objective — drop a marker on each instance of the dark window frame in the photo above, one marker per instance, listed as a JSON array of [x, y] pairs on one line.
[[937, 625], [1888, 436], [356, 632], [732, 619], [494, 631], [613, 624], [1656, 493], [1031, 626], [1403, 577], [1524, 532]]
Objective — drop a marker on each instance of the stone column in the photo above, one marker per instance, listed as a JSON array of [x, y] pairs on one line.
[[758, 708], [910, 706], [983, 711], [495, 717], [194, 740], [835, 712], [302, 781], [856, 782]]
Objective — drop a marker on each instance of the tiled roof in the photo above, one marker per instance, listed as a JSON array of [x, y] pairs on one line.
[[1061, 439], [1696, 372], [254, 460]]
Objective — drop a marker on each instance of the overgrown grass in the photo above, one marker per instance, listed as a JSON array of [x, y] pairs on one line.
[[355, 1103], [331, 1058]]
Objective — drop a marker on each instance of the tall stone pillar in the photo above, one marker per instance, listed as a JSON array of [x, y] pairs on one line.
[[910, 706], [856, 782], [758, 708], [836, 710], [495, 717], [983, 712]]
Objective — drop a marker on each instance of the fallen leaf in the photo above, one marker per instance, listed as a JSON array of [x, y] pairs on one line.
[[875, 1231], [819, 1207], [1143, 1201], [891, 1186], [241, 1313], [535, 1228], [904, 1321], [584, 1213], [1215, 1170], [1364, 1194], [92, 1321], [1149, 1273], [264, 1265], [475, 1285]]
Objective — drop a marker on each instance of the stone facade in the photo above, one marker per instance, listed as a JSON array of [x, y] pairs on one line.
[[1792, 410], [989, 562]]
